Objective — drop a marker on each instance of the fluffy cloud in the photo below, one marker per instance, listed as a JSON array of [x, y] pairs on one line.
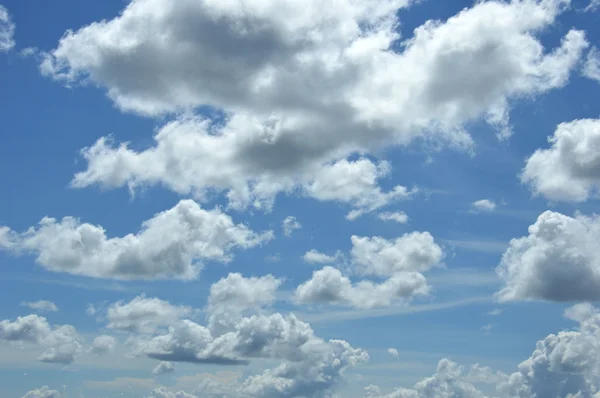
[[315, 257], [398, 216], [289, 224], [144, 314], [43, 392], [61, 344], [400, 261], [564, 365], [240, 329], [41, 306], [103, 345], [483, 205], [393, 352], [299, 86], [329, 286], [163, 367], [591, 68], [415, 251], [169, 245], [7, 30], [570, 169], [558, 260], [162, 392]]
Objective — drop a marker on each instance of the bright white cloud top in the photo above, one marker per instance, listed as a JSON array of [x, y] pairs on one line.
[[7, 30]]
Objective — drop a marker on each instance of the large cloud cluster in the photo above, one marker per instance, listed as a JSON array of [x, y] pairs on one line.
[[563, 365], [240, 329], [291, 88]]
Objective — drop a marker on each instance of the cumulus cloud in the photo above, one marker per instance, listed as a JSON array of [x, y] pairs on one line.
[[591, 68], [397, 216], [329, 286], [289, 225], [393, 352], [162, 392], [557, 261], [415, 251], [240, 329], [169, 245], [298, 87], [103, 345], [61, 344], [483, 205], [163, 367], [7, 30], [563, 365], [43, 392], [144, 314], [570, 169], [41, 305], [316, 257], [400, 262]]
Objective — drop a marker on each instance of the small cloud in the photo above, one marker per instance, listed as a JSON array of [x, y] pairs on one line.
[[496, 312], [316, 257], [593, 6], [163, 367], [483, 205], [7, 31], [486, 329], [398, 216], [289, 224], [393, 352], [40, 306]]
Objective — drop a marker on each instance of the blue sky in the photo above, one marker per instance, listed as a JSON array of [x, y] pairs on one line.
[[361, 107]]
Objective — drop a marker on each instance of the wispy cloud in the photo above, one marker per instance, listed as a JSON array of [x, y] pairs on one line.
[[337, 316], [484, 246]]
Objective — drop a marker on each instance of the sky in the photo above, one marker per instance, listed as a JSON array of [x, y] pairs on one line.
[[300, 198]]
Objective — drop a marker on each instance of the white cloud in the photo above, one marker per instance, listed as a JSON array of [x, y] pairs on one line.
[[303, 86], [393, 352], [570, 169], [144, 314], [308, 365], [399, 261], [355, 183], [43, 392], [315, 257], [593, 6], [7, 30], [169, 245], [564, 365], [449, 381], [487, 328], [61, 344], [289, 224], [41, 305], [103, 345], [591, 68], [329, 286], [415, 251], [397, 216], [162, 392], [163, 367], [483, 205], [557, 261], [495, 312]]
